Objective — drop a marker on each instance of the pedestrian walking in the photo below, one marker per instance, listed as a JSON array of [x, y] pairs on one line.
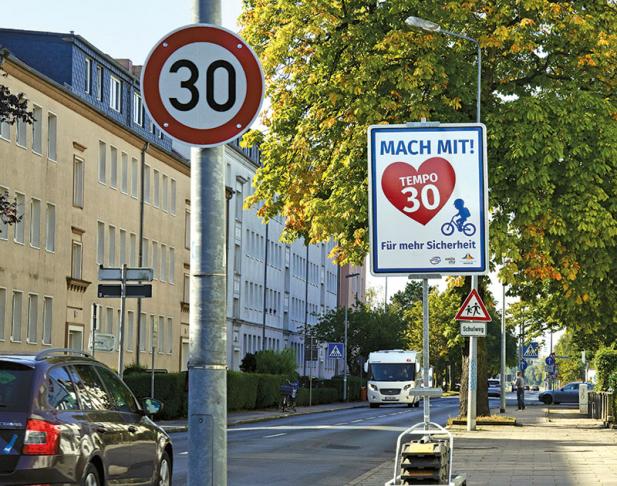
[[520, 390]]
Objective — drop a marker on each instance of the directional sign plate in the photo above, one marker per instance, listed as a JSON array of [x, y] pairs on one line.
[[132, 274], [335, 351], [132, 291], [202, 85], [477, 329], [531, 350], [473, 309]]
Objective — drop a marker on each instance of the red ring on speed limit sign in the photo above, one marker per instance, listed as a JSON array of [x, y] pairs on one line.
[[213, 34]]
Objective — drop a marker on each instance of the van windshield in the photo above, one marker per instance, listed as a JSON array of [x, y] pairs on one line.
[[392, 372], [15, 387]]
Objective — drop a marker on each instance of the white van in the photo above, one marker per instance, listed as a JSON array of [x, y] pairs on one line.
[[391, 376]]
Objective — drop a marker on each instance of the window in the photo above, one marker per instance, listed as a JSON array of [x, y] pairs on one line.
[[155, 259], [156, 189], [78, 183], [37, 132], [161, 334], [173, 197], [152, 128], [5, 130], [124, 187], [91, 390], [239, 200], [100, 248], [33, 304], [165, 199], [110, 320], [102, 162], [122, 247], [76, 260], [187, 230], [88, 83], [129, 332], [16, 315], [134, 177], [170, 335], [186, 294], [4, 227], [172, 265], [142, 332], [147, 184], [21, 133], [47, 319], [50, 228], [144, 254], [115, 94], [114, 168], [99, 83], [138, 110], [61, 394], [133, 250], [112, 246], [2, 312], [52, 136], [163, 263], [121, 395], [35, 223]]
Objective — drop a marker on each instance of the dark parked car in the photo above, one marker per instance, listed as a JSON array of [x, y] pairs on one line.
[[66, 418], [494, 388], [565, 394]]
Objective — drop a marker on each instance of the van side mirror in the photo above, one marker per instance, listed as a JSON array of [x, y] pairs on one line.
[[366, 367]]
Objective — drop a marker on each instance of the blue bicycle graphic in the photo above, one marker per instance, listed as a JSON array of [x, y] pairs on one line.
[[448, 228]]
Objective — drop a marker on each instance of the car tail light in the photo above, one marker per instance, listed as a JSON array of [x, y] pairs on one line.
[[41, 438]]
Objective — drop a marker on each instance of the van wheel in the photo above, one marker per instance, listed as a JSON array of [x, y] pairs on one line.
[[417, 404], [373, 405], [91, 476], [163, 476]]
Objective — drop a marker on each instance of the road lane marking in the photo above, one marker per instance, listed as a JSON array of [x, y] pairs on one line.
[[342, 423], [183, 453], [359, 420], [371, 418], [320, 427], [275, 435]]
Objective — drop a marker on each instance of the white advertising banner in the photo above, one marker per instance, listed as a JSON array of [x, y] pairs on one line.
[[428, 198]]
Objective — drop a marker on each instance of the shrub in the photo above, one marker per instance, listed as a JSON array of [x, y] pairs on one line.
[[320, 395], [354, 383], [606, 364], [268, 393], [276, 363], [248, 364], [241, 390], [612, 381], [169, 388]]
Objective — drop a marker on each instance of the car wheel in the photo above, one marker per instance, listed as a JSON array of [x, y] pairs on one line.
[[417, 404], [91, 476], [373, 405], [547, 400], [163, 476]]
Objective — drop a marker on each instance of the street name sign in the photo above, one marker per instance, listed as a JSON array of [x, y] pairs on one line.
[[103, 342], [110, 273], [473, 309], [428, 199], [531, 350], [335, 350], [202, 85], [477, 329], [115, 290]]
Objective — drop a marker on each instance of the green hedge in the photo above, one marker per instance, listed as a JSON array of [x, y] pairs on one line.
[[241, 390], [354, 383], [268, 394], [319, 395], [606, 365], [169, 388]]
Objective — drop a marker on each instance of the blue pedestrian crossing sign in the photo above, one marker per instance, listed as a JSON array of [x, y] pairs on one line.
[[335, 350], [531, 350]]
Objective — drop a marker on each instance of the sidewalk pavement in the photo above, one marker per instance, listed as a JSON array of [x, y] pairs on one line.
[[552, 446], [252, 416]]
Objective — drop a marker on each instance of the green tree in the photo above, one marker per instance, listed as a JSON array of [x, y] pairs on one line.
[[275, 362], [370, 329], [569, 364], [407, 297]]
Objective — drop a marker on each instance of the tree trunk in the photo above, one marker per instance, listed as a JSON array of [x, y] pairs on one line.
[[482, 407]]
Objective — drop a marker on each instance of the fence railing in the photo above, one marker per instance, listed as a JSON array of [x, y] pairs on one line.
[[602, 406]]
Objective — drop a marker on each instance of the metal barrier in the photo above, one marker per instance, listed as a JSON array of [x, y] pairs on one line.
[[602, 407]]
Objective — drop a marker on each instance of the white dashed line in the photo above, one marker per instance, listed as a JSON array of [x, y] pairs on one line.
[[185, 453], [371, 418], [275, 435], [342, 423], [354, 421]]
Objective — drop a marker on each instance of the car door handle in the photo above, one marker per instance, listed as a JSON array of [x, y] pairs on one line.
[[132, 429], [101, 429]]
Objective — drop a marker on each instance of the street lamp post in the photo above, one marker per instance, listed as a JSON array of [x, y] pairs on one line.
[[345, 372], [473, 341]]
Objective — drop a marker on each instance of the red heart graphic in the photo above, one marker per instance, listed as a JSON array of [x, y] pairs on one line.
[[407, 188]]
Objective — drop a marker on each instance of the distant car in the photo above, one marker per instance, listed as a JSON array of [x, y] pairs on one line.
[[534, 388], [565, 394], [494, 388]]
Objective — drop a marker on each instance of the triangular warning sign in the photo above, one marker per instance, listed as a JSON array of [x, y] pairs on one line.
[[336, 352], [473, 309]]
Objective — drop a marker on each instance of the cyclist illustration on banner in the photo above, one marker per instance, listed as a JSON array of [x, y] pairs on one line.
[[458, 221]]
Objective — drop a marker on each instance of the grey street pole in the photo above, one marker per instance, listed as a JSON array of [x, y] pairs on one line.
[[502, 376], [208, 333], [94, 326], [140, 245], [425, 353], [345, 367], [306, 309], [263, 331], [121, 323]]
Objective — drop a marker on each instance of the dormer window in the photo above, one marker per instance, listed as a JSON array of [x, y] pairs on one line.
[[115, 94]]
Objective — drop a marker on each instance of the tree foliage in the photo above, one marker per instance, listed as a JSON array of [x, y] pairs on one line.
[[549, 84], [569, 364]]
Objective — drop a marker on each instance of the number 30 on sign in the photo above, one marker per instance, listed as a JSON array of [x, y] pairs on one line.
[[202, 85]]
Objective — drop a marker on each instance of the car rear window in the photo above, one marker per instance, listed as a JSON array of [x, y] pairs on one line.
[[15, 386]]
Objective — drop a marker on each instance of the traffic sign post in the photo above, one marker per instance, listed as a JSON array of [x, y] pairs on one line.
[[203, 85], [335, 351], [531, 351]]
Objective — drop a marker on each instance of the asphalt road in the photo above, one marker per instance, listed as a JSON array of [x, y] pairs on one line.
[[317, 449]]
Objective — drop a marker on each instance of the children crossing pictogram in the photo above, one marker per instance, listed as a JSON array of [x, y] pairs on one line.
[[473, 309]]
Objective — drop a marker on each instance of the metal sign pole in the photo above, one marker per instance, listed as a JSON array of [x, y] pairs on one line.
[[121, 323], [472, 389], [502, 376], [425, 353], [208, 328], [94, 325]]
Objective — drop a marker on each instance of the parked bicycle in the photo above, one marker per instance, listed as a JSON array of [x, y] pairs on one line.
[[448, 228], [288, 391]]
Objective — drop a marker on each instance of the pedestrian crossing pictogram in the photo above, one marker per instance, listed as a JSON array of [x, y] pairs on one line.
[[335, 350]]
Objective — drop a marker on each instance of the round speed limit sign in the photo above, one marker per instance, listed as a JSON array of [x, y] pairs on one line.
[[202, 85]]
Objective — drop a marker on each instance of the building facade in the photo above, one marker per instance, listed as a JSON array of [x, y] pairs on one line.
[[76, 176]]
